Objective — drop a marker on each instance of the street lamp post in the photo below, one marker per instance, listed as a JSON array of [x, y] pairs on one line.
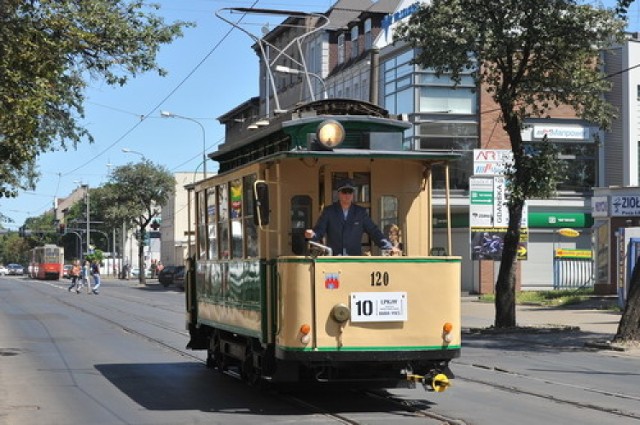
[[127, 150], [167, 114], [86, 186]]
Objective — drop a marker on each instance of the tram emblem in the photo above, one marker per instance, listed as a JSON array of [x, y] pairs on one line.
[[331, 281]]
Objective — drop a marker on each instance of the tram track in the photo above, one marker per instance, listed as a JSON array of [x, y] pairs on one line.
[[308, 405], [517, 389]]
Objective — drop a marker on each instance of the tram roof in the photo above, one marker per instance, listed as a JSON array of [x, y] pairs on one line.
[[365, 153]]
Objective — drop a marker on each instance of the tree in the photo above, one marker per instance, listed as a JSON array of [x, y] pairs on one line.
[[13, 249], [99, 201], [629, 326], [531, 56], [48, 51], [134, 194]]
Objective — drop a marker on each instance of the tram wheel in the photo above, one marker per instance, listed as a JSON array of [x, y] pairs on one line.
[[214, 355], [249, 372]]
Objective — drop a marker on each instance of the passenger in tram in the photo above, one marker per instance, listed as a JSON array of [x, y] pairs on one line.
[[343, 223]]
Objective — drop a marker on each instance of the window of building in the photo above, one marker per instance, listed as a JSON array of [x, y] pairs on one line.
[[398, 90], [368, 36], [447, 100], [355, 48], [341, 49], [579, 160]]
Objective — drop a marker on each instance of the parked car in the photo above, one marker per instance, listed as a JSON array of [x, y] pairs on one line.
[[3, 270], [15, 269], [172, 275], [66, 270], [135, 272]]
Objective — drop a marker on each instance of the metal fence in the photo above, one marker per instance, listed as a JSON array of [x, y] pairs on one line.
[[570, 273]]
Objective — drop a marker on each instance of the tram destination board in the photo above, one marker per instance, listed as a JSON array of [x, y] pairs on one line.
[[378, 306]]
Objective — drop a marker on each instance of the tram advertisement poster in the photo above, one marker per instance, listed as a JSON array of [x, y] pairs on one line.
[[487, 243]]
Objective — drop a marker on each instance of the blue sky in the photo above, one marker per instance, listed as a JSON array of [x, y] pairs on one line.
[[211, 70]]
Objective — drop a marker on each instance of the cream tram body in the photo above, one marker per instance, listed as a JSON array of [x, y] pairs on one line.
[[260, 299]]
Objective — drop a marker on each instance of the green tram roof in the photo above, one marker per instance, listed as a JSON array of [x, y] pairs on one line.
[[367, 153], [287, 135]]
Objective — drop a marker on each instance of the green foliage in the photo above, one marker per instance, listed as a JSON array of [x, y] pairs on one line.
[[538, 173], [97, 255], [136, 191], [531, 56], [48, 51], [556, 298], [13, 249]]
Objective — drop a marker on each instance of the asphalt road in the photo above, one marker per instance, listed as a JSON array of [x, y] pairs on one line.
[[119, 358]]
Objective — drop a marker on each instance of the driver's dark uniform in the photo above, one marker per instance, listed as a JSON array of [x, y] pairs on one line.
[[344, 234]]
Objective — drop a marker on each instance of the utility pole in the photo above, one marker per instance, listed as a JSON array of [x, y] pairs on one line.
[[86, 188]]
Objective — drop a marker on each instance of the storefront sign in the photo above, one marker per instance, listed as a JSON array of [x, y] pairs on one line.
[[572, 253], [625, 206], [557, 132], [491, 161], [600, 206], [481, 201]]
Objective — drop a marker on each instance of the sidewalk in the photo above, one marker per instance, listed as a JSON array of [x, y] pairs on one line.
[[589, 319]]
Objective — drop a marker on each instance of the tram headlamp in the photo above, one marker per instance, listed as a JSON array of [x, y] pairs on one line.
[[330, 134]]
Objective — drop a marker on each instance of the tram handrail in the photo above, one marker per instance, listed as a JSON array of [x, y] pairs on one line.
[[327, 250]]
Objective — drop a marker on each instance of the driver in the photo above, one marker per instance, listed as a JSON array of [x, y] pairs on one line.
[[343, 223]]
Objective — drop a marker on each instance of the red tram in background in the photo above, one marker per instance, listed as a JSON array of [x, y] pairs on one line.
[[46, 262]]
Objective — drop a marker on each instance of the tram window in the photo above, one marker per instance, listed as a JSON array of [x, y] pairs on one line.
[[202, 225], [236, 218], [388, 211], [250, 231], [223, 220], [212, 222], [300, 221], [363, 182]]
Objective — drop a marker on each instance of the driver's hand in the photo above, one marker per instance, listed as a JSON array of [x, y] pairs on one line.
[[309, 233]]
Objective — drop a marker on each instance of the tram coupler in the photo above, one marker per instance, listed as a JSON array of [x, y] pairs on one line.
[[438, 382]]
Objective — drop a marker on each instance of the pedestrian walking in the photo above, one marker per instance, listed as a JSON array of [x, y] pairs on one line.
[[95, 272], [75, 275], [84, 276]]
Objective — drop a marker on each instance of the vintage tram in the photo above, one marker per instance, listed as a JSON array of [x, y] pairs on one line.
[[46, 262], [262, 299]]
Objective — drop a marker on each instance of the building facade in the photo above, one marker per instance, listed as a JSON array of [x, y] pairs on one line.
[[356, 56]]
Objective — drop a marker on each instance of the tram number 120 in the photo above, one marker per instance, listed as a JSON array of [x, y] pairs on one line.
[[379, 279]]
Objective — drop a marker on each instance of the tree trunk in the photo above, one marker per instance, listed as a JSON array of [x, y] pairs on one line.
[[506, 283], [142, 278], [629, 326]]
